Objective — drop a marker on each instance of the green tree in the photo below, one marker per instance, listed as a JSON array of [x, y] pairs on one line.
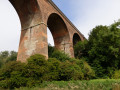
[[6, 56], [12, 56], [102, 50], [3, 56], [81, 49], [51, 49]]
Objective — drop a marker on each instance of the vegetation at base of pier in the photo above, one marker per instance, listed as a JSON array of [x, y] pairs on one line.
[[96, 58], [37, 70]]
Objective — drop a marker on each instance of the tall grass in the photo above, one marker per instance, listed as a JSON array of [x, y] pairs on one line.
[[98, 84]]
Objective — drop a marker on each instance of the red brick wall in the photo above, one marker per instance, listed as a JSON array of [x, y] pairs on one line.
[[34, 16]]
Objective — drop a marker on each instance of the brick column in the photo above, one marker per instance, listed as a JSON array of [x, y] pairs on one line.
[[33, 41]]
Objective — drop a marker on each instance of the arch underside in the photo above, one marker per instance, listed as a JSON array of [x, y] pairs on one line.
[[76, 38], [28, 12], [59, 32]]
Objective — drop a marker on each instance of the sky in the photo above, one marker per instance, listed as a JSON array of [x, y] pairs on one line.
[[84, 14]]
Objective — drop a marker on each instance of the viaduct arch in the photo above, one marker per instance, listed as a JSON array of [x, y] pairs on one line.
[[35, 17]]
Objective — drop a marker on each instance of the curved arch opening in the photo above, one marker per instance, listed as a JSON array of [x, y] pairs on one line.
[[76, 39], [59, 31]]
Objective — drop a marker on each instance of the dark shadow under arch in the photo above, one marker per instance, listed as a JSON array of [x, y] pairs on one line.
[[59, 31], [76, 38]]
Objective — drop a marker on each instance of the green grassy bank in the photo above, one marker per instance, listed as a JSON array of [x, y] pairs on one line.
[[98, 84]]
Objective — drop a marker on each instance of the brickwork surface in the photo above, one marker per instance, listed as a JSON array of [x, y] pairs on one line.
[[35, 17]]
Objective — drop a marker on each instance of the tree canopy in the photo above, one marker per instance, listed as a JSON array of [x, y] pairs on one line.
[[102, 49]]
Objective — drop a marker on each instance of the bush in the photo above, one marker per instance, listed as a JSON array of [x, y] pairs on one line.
[[88, 72], [60, 56], [116, 74], [16, 74], [54, 67], [66, 71], [11, 75], [37, 69]]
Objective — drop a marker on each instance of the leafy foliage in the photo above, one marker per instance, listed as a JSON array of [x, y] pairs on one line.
[[16, 74], [12, 56], [51, 49], [54, 53], [54, 68], [60, 56], [11, 75], [80, 49], [69, 71], [116, 74], [6, 56], [102, 50]]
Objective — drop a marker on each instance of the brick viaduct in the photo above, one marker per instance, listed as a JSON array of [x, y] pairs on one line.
[[35, 17]]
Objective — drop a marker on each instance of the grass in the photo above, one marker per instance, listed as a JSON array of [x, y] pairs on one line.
[[97, 84]]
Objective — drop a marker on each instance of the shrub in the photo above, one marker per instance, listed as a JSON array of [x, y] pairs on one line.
[[8, 68], [37, 67], [60, 56], [37, 59], [88, 72], [16, 74], [54, 67], [11, 75], [69, 71], [116, 74]]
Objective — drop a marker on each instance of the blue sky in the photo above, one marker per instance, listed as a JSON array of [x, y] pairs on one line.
[[84, 14]]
